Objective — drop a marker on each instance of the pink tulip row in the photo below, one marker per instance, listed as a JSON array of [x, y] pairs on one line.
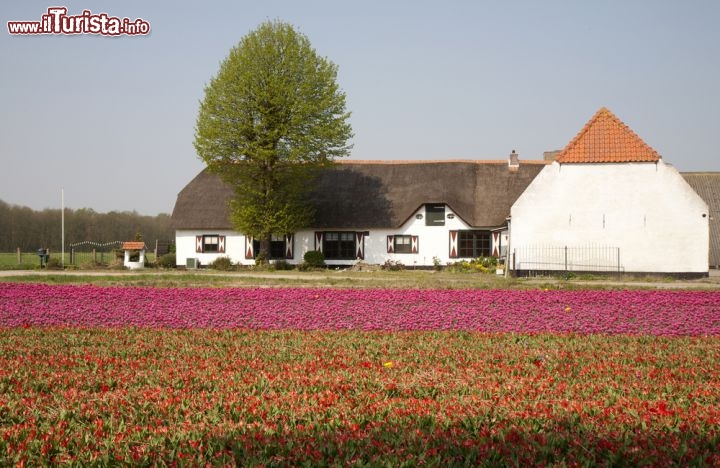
[[687, 313]]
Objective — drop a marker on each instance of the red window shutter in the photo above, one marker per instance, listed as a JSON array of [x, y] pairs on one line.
[[453, 244], [318, 241], [390, 244], [414, 244], [198, 244], [289, 252], [360, 245], [496, 244], [221, 244], [249, 251]]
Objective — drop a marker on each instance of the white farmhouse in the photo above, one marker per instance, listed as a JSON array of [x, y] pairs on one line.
[[609, 202], [414, 212]]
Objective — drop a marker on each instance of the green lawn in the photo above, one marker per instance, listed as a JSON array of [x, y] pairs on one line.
[[26, 260], [30, 260]]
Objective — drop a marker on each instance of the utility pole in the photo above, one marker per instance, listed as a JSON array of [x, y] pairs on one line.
[[62, 228]]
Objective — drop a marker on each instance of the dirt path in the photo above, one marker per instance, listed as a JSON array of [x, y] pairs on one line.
[[711, 282]]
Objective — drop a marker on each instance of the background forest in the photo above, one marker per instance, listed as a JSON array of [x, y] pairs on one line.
[[28, 229]]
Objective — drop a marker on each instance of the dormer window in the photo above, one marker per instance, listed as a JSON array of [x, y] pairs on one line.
[[434, 214]]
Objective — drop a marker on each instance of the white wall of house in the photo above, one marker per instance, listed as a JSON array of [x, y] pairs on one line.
[[185, 246], [432, 242], [647, 210]]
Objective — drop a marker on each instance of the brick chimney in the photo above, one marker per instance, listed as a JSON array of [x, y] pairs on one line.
[[513, 162]]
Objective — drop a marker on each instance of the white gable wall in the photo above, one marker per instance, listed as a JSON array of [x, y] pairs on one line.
[[647, 210]]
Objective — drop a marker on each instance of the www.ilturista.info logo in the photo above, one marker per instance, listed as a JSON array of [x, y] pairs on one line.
[[57, 21]]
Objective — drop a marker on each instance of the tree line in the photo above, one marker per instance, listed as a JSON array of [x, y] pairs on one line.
[[28, 229]]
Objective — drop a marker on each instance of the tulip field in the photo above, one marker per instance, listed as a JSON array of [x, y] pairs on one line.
[[317, 376], [664, 313]]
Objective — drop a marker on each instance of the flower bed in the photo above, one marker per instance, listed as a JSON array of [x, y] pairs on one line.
[[664, 313], [129, 396], [189, 377]]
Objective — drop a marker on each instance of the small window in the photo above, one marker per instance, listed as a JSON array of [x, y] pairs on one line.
[[403, 244], [434, 215], [211, 243]]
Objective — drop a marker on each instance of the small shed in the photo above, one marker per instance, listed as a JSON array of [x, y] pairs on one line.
[[133, 249]]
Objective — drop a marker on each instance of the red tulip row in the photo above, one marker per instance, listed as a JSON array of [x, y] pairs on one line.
[[142, 396]]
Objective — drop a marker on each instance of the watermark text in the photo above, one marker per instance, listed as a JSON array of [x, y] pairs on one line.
[[57, 21]]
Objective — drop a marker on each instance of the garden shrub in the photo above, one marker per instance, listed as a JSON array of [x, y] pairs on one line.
[[91, 265], [282, 265], [476, 265], [393, 265], [167, 261], [222, 263], [53, 264], [116, 264], [314, 259]]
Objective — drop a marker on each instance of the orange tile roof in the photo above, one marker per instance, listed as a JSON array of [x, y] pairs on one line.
[[606, 139], [133, 245]]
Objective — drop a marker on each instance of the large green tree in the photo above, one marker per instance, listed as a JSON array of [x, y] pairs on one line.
[[270, 119]]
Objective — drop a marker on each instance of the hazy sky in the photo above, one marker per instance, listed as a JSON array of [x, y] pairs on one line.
[[111, 119]]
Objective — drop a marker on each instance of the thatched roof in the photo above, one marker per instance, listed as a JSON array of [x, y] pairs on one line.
[[707, 185], [385, 194], [379, 194], [202, 204]]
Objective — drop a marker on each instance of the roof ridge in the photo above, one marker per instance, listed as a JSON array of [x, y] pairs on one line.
[[436, 161], [581, 133], [607, 139]]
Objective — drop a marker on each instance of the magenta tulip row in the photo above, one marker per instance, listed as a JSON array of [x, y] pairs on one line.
[[687, 313]]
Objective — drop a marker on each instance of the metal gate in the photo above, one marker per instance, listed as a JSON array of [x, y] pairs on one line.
[[588, 259], [97, 253]]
